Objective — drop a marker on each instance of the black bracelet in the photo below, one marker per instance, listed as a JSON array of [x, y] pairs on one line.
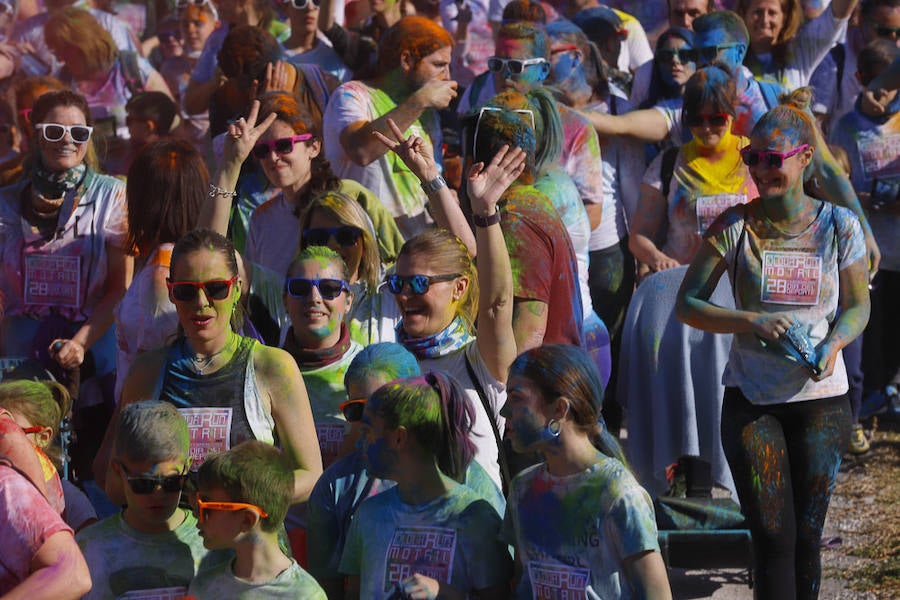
[[480, 221]]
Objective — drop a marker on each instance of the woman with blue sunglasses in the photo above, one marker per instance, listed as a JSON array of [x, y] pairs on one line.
[[799, 277]]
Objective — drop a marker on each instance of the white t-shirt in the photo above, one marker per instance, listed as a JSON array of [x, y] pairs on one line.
[[771, 272], [220, 582], [573, 533]]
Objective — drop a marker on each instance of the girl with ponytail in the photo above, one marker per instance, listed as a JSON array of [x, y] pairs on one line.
[[580, 513], [39, 407], [430, 535]]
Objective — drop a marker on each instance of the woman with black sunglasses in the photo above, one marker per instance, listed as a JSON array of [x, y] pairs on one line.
[[702, 177], [799, 277], [229, 387]]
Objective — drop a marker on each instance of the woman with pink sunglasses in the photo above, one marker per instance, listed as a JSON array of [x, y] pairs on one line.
[[799, 279]]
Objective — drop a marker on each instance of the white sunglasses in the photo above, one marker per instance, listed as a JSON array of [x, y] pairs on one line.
[[54, 132]]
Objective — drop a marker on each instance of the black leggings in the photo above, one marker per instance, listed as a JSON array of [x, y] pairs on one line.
[[784, 459]]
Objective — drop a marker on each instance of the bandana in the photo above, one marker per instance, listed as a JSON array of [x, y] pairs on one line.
[[54, 184], [448, 341], [315, 359]]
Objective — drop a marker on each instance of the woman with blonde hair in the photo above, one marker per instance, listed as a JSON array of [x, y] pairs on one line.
[[95, 67], [799, 278]]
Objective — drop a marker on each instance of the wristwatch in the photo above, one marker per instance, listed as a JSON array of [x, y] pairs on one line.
[[480, 221], [434, 185]]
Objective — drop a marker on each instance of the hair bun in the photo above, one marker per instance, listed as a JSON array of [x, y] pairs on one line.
[[800, 99]]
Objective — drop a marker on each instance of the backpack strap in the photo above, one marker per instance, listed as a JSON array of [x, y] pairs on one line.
[[132, 71], [667, 169], [505, 476], [317, 84]]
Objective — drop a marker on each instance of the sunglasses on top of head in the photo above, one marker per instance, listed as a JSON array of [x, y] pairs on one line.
[[516, 66], [774, 159], [202, 506], [419, 284], [280, 146], [145, 484], [699, 120], [353, 409], [345, 235], [215, 289], [54, 132], [329, 289]]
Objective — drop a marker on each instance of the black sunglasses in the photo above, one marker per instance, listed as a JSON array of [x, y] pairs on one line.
[[299, 287], [668, 55], [709, 54], [143, 485], [697, 120], [883, 31], [345, 235], [353, 409], [419, 284], [215, 289]]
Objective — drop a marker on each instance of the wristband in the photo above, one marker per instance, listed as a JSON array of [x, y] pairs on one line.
[[434, 185], [480, 221]]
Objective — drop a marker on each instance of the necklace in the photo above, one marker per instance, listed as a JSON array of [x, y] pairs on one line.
[[201, 363]]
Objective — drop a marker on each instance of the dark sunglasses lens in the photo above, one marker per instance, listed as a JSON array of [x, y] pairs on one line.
[[284, 146], [184, 292], [316, 237], [395, 284], [148, 485], [516, 66], [666, 55], [261, 151], [419, 284], [347, 236], [81, 134], [54, 133], [216, 290], [495, 64], [717, 120], [775, 161], [354, 411], [330, 288], [751, 158], [299, 288]]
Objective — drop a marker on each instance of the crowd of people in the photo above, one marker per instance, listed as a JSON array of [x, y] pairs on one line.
[[352, 299]]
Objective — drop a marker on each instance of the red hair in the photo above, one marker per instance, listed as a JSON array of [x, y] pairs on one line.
[[417, 35]]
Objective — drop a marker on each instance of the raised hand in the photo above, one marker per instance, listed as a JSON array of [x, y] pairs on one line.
[[243, 135], [416, 152], [487, 184], [436, 94]]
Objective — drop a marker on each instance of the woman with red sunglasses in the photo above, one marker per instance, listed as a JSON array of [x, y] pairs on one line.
[[799, 277], [230, 388], [705, 177]]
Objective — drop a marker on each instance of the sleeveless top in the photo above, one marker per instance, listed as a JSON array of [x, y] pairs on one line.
[[223, 408]]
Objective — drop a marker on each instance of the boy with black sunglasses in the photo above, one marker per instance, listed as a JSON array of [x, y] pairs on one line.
[[152, 546]]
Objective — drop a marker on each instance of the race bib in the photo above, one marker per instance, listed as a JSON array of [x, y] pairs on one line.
[[169, 593], [880, 156], [210, 431], [791, 278], [425, 550], [710, 207], [331, 435], [558, 581], [53, 280]]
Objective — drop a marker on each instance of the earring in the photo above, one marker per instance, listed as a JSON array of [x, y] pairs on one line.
[[552, 429]]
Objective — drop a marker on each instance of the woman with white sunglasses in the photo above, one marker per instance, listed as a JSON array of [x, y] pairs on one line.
[[304, 45], [62, 245]]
